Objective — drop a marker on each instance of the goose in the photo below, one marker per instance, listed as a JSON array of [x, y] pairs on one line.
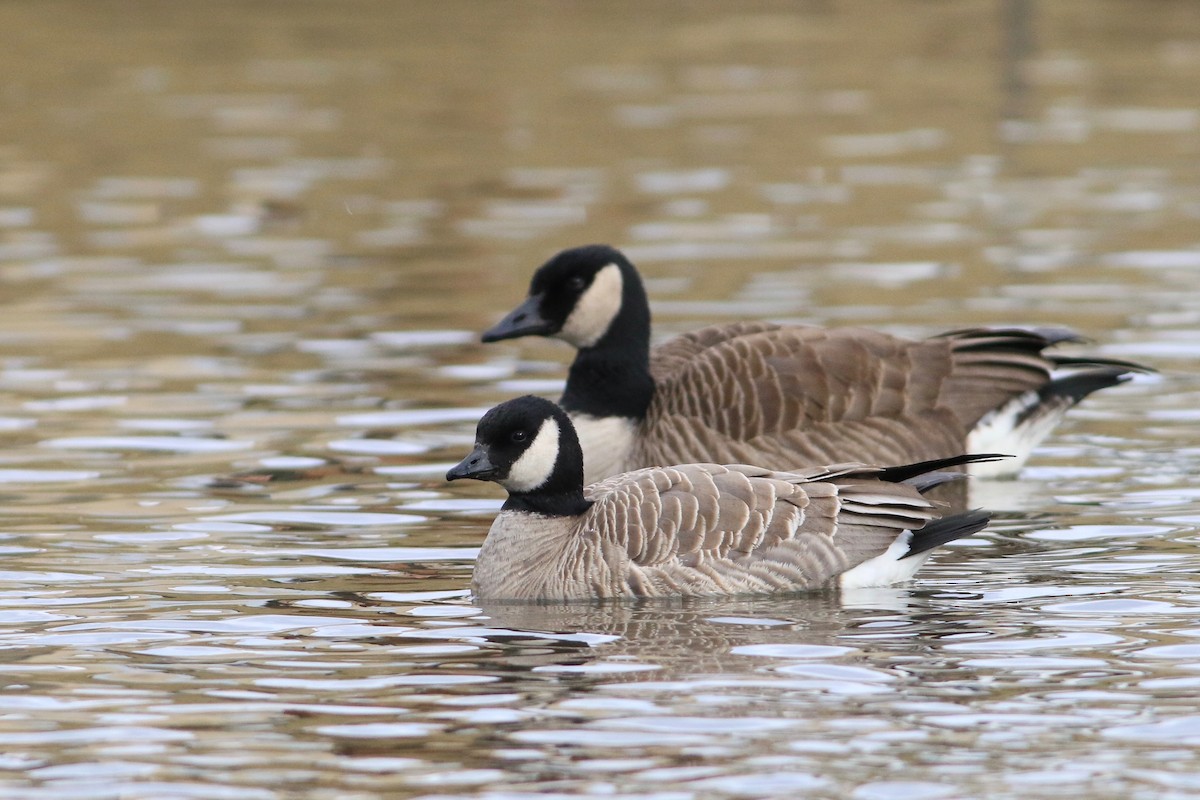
[[788, 395], [691, 529]]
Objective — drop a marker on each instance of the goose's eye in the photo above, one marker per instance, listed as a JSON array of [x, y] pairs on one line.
[[576, 283], [519, 436]]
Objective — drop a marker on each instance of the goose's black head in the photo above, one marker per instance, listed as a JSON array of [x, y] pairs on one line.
[[528, 446], [583, 296]]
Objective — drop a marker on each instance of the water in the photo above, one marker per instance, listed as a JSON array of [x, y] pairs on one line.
[[245, 252]]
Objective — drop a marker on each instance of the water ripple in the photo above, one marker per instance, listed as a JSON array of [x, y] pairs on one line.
[[249, 266]]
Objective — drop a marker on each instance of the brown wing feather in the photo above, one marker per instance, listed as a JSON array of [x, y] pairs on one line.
[[678, 352], [749, 529], [788, 395], [990, 367]]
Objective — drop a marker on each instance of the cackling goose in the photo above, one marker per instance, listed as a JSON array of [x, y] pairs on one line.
[[761, 393], [694, 529]]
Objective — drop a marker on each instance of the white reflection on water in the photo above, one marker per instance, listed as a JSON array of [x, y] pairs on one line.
[[347, 519], [172, 444]]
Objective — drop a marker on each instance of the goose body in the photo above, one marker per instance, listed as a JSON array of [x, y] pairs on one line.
[[691, 529], [788, 395]]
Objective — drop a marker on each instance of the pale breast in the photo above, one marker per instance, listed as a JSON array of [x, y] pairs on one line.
[[533, 557], [607, 444]]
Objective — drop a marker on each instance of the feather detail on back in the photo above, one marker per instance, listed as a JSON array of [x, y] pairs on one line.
[[787, 395], [791, 395], [703, 529], [692, 529]]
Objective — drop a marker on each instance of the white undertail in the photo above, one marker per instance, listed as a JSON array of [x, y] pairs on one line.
[[887, 568], [1011, 429]]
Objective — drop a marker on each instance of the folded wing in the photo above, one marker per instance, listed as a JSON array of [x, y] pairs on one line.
[[744, 529]]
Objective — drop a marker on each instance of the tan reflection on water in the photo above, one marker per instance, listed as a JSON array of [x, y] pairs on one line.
[[245, 250]]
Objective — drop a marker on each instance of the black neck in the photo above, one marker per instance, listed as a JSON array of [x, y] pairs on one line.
[[608, 384], [548, 504], [612, 377]]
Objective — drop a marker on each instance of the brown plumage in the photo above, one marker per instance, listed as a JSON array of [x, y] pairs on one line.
[[693, 529], [787, 396], [791, 395]]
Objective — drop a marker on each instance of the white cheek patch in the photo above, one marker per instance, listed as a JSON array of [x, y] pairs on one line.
[[536, 464], [595, 309]]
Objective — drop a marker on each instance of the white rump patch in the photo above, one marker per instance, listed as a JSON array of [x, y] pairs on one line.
[[1000, 432], [595, 309], [606, 443], [886, 568], [536, 464]]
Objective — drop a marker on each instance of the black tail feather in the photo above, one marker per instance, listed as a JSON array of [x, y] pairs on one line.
[[1073, 387], [1058, 335], [923, 483], [906, 472], [1085, 362], [1019, 339], [946, 529], [1034, 341]]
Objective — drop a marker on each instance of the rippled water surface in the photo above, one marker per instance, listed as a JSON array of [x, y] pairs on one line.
[[246, 249]]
